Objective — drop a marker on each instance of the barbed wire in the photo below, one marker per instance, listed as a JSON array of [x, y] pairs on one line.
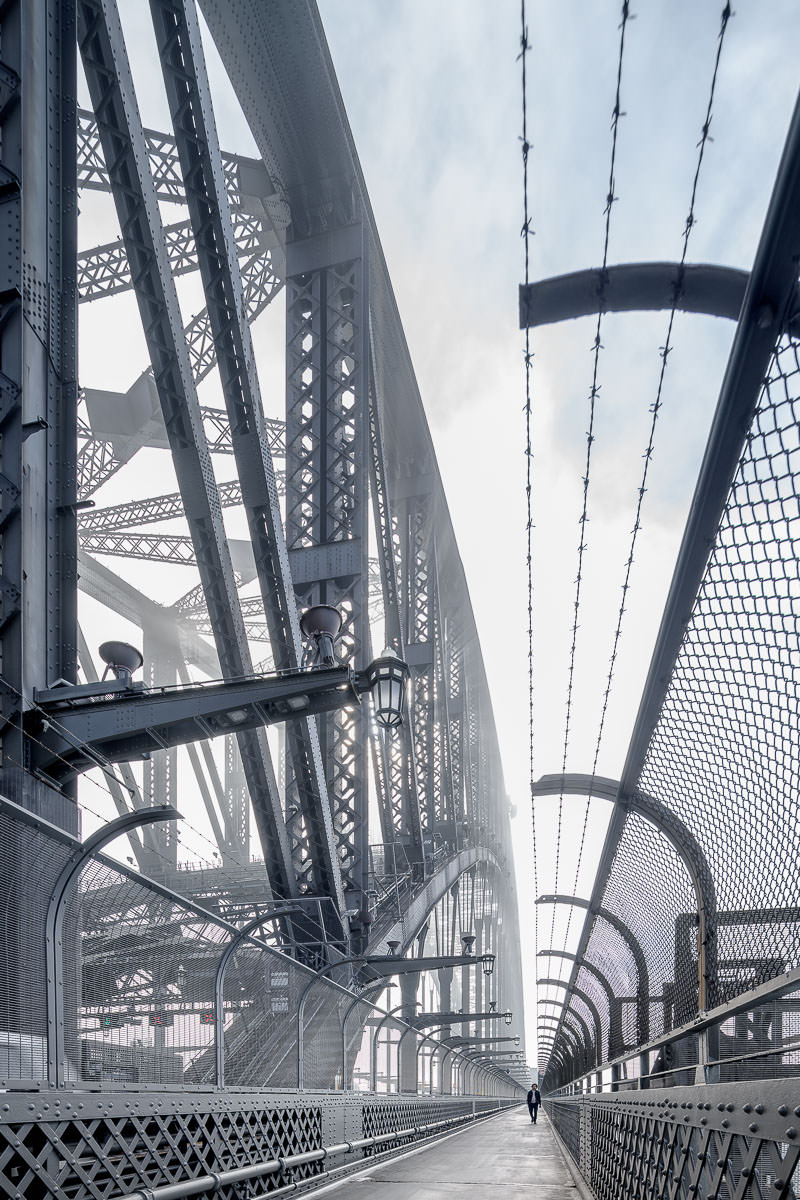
[[527, 233], [655, 408], [594, 390]]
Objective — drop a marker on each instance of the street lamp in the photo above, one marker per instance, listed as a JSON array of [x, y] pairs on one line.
[[321, 625], [386, 677]]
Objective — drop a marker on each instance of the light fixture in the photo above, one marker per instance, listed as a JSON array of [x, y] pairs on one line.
[[517, 1040], [393, 948], [508, 1018], [386, 677], [321, 625], [467, 942], [488, 966], [121, 659], [492, 1006]]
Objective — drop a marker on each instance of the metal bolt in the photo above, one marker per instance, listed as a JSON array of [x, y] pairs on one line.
[[759, 1108], [748, 1108], [782, 1110], [753, 1127], [791, 1133]]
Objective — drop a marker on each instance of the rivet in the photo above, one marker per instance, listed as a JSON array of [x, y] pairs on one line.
[[748, 1108], [782, 1110], [753, 1127], [759, 1108], [791, 1133]]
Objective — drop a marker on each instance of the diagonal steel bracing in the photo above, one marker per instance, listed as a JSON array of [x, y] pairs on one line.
[[125, 153], [104, 271], [180, 49]]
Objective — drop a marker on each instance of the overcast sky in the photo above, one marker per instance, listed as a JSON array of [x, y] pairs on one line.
[[433, 94], [432, 90]]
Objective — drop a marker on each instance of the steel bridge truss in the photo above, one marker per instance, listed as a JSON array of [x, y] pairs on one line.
[[355, 516]]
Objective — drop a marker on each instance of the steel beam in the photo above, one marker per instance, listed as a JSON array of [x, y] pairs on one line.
[[183, 67], [633, 287], [125, 152], [38, 353]]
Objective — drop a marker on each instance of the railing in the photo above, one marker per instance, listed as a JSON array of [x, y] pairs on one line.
[[112, 978], [717, 1142]]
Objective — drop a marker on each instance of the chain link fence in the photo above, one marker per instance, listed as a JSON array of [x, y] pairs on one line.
[[723, 765]]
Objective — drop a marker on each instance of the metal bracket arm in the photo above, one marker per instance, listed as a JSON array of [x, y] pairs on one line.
[[66, 736]]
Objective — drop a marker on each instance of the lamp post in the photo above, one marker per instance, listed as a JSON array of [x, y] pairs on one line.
[[120, 720]]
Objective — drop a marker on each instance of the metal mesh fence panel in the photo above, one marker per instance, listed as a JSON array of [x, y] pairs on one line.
[[649, 889], [322, 1036], [588, 983], [144, 967], [261, 995], [725, 754], [30, 863]]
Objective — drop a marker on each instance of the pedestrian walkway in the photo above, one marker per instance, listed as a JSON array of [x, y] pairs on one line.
[[502, 1158]]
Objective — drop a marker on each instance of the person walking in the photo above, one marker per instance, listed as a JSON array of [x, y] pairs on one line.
[[534, 1099]]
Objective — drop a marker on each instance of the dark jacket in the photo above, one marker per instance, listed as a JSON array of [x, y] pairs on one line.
[[534, 1097]]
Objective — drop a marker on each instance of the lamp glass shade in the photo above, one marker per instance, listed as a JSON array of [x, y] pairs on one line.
[[387, 677]]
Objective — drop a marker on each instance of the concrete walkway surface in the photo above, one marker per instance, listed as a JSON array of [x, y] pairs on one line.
[[501, 1158]]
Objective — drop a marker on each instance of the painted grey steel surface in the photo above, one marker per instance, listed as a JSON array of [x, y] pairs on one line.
[[131, 1142], [717, 1141], [134, 949], [698, 288]]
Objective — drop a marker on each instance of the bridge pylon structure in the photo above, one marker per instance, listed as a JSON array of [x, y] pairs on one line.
[[144, 825]]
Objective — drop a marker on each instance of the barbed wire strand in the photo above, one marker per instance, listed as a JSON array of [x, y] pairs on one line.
[[527, 233], [594, 391], [655, 408]]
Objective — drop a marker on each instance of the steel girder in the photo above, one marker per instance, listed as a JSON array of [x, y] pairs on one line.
[[38, 351], [307, 147], [124, 149], [396, 767], [104, 270], [326, 505], [183, 67], [162, 155]]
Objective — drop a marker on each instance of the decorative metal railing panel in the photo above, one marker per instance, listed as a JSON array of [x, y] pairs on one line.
[[715, 1143], [98, 1146]]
